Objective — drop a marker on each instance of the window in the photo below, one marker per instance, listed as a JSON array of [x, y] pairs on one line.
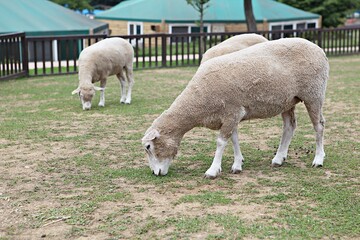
[[311, 25], [190, 28], [180, 29], [186, 28], [300, 26], [276, 35], [294, 25], [135, 28], [288, 27], [197, 29]]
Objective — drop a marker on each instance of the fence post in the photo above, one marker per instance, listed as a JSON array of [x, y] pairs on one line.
[[319, 38], [358, 30], [25, 60], [163, 50]]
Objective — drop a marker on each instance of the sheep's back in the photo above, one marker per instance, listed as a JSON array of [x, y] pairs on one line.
[[268, 75], [106, 57], [233, 44]]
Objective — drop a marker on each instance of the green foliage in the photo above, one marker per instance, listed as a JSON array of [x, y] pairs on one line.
[[75, 4], [199, 5], [105, 2], [333, 12]]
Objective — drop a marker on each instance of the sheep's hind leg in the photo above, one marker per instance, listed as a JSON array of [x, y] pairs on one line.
[[121, 78], [318, 122], [130, 79], [238, 157], [289, 125]]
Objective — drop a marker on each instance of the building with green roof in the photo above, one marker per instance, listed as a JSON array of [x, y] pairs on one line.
[[176, 16], [45, 18]]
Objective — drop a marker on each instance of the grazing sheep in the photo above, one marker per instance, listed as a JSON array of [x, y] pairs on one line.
[[261, 81], [105, 58], [233, 44]]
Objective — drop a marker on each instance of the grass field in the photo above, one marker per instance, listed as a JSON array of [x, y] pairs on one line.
[[66, 173]]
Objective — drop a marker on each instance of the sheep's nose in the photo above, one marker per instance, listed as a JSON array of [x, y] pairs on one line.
[[157, 174], [87, 106]]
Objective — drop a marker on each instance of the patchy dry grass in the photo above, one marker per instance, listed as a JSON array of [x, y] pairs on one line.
[[67, 173]]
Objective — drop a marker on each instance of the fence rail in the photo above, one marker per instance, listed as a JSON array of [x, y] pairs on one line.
[[34, 56]]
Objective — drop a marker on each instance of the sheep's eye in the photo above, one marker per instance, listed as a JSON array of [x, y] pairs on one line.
[[147, 147]]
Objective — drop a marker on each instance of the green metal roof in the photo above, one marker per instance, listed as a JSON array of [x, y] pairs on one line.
[[178, 11], [42, 17]]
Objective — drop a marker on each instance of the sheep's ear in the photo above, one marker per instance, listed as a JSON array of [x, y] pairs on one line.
[[99, 88], [151, 135], [76, 91]]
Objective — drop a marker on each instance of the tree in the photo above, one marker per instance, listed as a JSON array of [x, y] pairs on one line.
[[200, 6], [75, 4], [333, 12], [249, 15], [105, 2]]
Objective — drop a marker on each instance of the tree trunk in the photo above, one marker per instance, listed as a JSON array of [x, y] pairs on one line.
[[250, 19], [201, 39]]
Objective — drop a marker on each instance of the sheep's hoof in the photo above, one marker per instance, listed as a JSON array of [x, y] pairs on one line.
[[209, 176], [317, 165], [235, 171], [276, 165]]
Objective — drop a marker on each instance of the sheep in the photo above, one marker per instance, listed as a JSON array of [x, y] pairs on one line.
[[261, 81], [233, 44], [105, 58]]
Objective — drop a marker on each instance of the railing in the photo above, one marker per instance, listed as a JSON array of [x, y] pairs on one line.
[[13, 56], [34, 56], [57, 55]]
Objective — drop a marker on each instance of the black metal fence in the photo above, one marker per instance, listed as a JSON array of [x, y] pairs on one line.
[[34, 56]]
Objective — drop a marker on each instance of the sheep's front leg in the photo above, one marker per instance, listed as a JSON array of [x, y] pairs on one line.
[[215, 168], [102, 93], [229, 128], [238, 157]]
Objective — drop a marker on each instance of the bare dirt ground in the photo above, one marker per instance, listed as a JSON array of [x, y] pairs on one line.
[[28, 190]]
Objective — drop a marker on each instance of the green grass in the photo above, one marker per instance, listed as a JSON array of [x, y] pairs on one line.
[[68, 173]]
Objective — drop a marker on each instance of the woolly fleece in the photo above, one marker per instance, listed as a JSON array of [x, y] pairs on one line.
[[257, 82], [104, 58], [233, 44]]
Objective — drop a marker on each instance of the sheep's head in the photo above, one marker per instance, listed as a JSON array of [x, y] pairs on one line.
[[160, 150], [86, 93]]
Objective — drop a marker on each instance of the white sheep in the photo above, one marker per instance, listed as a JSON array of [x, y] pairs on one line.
[[261, 81], [233, 44], [105, 58]]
